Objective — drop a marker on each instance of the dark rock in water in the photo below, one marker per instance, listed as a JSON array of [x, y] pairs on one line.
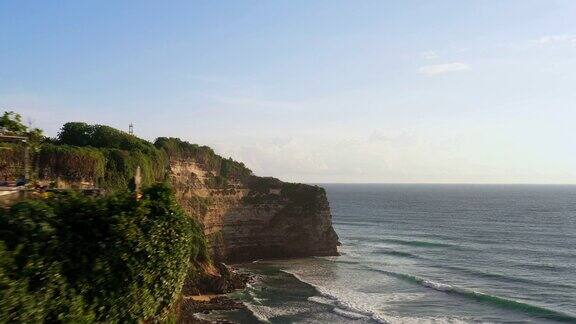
[[214, 279], [210, 280], [189, 307]]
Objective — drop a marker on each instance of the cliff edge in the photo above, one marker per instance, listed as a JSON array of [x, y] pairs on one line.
[[245, 217], [134, 236]]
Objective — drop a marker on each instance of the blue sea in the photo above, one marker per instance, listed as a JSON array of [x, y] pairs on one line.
[[430, 254]]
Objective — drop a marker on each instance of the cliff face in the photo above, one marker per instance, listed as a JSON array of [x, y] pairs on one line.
[[244, 217], [255, 218]]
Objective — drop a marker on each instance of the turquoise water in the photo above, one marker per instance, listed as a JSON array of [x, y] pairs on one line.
[[431, 254]]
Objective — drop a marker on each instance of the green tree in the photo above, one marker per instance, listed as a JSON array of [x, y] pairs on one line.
[[76, 134], [12, 122]]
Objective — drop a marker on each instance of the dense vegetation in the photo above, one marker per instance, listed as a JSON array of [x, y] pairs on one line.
[[12, 154], [11, 162], [122, 153], [69, 162], [107, 157], [296, 195], [95, 153], [77, 259], [226, 169], [11, 123], [303, 196]]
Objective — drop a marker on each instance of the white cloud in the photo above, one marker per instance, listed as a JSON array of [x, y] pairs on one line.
[[443, 68], [555, 39], [429, 55]]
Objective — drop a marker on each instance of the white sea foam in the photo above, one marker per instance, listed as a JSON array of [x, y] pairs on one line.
[[349, 314], [255, 297], [437, 285], [264, 313], [357, 305], [322, 300], [342, 303], [259, 312]]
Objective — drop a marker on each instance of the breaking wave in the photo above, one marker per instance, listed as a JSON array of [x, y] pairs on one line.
[[485, 298], [342, 306]]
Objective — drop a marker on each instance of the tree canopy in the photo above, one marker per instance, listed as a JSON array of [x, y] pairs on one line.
[[12, 122]]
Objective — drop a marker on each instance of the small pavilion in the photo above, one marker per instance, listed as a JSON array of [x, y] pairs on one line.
[[8, 186]]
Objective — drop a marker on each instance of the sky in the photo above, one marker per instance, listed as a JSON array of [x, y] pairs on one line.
[[312, 91]]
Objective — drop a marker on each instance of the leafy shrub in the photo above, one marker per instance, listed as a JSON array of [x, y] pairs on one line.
[[49, 300], [303, 195], [78, 259], [216, 182], [121, 166], [295, 195], [176, 148], [11, 123], [231, 169], [11, 161], [123, 153], [76, 134], [82, 134], [264, 184], [70, 163]]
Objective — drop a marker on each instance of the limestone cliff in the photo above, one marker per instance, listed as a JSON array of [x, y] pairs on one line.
[[250, 218], [244, 217]]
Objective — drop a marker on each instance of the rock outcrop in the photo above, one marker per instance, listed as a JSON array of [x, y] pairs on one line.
[[254, 218]]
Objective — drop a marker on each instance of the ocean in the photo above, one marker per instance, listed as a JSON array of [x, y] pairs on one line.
[[429, 254]]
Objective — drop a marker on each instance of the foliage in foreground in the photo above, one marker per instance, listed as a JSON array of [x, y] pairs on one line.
[[71, 258]]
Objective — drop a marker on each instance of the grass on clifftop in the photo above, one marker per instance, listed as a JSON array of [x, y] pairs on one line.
[[107, 157], [225, 169], [296, 195]]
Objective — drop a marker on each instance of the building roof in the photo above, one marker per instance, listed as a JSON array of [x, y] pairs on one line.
[[12, 138]]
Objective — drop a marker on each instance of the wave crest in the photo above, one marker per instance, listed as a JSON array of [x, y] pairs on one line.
[[530, 309]]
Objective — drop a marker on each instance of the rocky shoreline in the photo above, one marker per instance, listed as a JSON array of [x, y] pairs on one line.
[[191, 307], [209, 294]]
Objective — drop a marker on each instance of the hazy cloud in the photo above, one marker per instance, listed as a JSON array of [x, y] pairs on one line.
[[257, 103], [429, 55], [555, 39], [443, 68]]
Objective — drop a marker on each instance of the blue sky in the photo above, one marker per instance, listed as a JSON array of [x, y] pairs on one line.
[[313, 91]]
